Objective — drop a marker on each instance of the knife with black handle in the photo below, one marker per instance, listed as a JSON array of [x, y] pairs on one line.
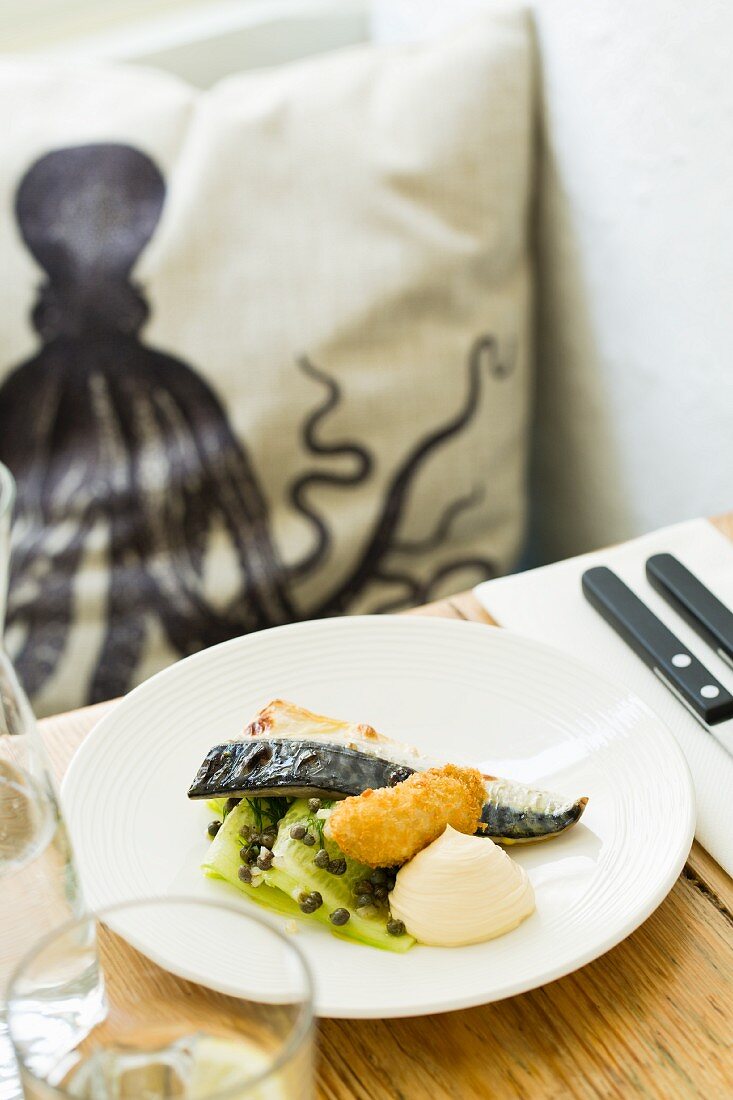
[[679, 670], [696, 604]]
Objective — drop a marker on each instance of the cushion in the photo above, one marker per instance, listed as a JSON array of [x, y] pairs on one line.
[[263, 349]]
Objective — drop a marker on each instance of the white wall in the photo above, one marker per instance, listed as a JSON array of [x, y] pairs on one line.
[[635, 425], [635, 338]]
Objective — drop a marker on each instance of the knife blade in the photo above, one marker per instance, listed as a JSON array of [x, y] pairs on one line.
[[709, 701], [695, 603]]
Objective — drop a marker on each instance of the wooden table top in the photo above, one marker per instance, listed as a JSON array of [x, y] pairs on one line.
[[652, 1018]]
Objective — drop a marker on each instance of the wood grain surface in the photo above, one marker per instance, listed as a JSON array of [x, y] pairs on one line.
[[651, 1018]]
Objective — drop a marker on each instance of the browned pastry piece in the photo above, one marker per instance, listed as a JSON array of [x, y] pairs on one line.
[[387, 827]]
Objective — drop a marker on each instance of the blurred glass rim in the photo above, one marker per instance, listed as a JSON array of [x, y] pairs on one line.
[[290, 1046], [7, 491]]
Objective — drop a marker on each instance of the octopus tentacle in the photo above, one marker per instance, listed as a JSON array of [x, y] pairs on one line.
[[124, 638], [364, 464], [189, 510], [55, 504], [382, 538], [46, 619], [192, 411], [410, 598], [443, 527], [486, 569], [173, 583], [45, 487]]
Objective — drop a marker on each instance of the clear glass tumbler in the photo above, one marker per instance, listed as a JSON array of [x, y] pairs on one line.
[[164, 998], [38, 883]]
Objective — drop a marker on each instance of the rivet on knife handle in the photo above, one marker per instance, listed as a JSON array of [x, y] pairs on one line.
[[697, 605], [657, 646]]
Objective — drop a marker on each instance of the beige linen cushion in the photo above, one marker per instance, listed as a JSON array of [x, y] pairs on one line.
[[264, 349]]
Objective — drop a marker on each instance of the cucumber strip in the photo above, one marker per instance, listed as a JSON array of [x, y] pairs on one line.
[[369, 931], [268, 896], [223, 862], [294, 872]]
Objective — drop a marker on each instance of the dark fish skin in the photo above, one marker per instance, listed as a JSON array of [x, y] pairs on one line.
[[511, 823], [260, 767], [299, 767]]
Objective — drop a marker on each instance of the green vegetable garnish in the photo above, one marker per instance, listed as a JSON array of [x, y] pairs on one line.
[[297, 880]]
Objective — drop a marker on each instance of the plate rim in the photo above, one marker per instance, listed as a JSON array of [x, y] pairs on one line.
[[636, 917]]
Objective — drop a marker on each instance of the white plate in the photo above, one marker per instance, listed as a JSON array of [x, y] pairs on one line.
[[458, 690]]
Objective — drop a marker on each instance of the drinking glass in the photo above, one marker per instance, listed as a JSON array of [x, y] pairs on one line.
[[160, 998], [38, 883]]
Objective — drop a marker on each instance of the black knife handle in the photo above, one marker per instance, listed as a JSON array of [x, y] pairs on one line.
[[657, 646], [696, 604]]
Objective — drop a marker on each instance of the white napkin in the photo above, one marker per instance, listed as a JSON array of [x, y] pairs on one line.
[[547, 604]]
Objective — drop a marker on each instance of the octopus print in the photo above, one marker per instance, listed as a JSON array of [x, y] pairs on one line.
[[122, 450]]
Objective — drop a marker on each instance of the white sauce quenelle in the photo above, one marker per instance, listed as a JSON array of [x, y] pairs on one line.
[[460, 890]]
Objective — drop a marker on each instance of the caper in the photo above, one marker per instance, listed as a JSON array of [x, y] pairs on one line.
[[252, 855], [309, 840], [314, 805], [337, 867], [395, 927], [297, 832], [268, 838], [363, 886], [321, 858], [244, 853], [213, 828], [264, 859], [339, 916], [378, 877], [363, 900], [245, 874], [380, 892], [230, 804], [317, 899], [308, 903]]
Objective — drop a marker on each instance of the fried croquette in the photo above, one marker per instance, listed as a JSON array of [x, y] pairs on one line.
[[388, 826]]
